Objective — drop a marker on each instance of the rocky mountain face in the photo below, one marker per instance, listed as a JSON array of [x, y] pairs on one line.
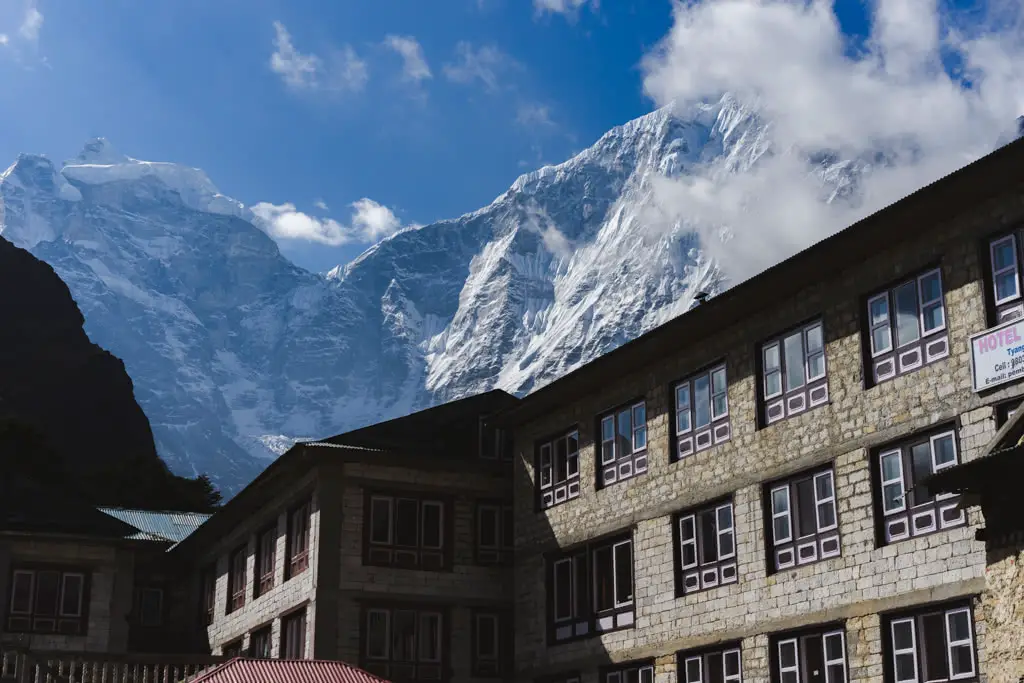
[[235, 351], [67, 410]]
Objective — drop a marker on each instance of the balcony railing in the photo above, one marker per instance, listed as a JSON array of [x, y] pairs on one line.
[[50, 666]]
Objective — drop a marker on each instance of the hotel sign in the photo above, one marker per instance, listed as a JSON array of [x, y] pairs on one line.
[[997, 355]]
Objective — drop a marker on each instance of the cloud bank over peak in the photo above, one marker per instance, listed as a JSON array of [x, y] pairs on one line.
[[893, 97], [369, 223]]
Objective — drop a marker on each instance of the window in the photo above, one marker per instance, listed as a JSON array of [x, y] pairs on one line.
[[623, 444], [632, 672], [293, 635], [706, 548], [1003, 277], [266, 554], [233, 649], [492, 643], [907, 327], [495, 443], [47, 600], [803, 520], [810, 657], [209, 593], [793, 373], [149, 606], [1004, 411], [404, 643], [298, 540], [494, 529], [702, 412], [908, 507], [236, 579], [931, 644], [591, 590], [720, 665], [405, 531], [558, 468], [259, 643]]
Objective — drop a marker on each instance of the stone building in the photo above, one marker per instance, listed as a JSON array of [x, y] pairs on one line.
[[388, 547], [739, 494]]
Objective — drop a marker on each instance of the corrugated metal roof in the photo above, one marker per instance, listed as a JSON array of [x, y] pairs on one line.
[[170, 526], [241, 670]]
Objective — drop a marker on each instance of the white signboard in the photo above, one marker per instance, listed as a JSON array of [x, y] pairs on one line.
[[997, 355]]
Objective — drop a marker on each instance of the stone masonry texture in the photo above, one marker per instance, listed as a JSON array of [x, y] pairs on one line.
[[868, 579]]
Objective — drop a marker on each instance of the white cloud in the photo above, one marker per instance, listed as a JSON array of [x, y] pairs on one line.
[[483, 64], [788, 59], [4, 39], [31, 25], [568, 8], [320, 204], [343, 70], [414, 64], [534, 115], [370, 222]]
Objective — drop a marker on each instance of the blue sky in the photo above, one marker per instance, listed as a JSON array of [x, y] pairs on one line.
[[340, 116]]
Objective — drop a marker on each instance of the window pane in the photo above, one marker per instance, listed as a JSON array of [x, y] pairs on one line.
[[561, 460], [931, 287], [624, 572], [959, 626], [573, 441], [486, 636], [624, 436], [732, 663], [71, 600], [773, 383], [682, 409], [921, 461], [21, 600], [693, 670], [905, 668], [1006, 284], [702, 401], [963, 660], [380, 520], [1002, 254], [880, 339], [718, 383], [892, 495], [879, 310], [932, 317], [407, 518], [708, 537], [771, 357], [47, 592], [891, 466], [716, 674], [377, 634], [581, 585], [488, 527], [805, 515], [787, 654], [403, 636], [432, 520], [604, 577], [793, 346], [814, 339], [823, 486], [563, 590], [933, 633], [908, 329], [945, 452], [430, 637]]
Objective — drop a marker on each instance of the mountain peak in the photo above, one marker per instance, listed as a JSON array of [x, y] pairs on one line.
[[100, 151]]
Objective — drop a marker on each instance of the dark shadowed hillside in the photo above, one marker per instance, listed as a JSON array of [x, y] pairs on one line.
[[67, 408]]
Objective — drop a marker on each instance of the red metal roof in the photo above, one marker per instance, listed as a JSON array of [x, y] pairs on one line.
[[242, 670]]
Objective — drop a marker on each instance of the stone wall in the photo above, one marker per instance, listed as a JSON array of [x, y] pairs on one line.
[[866, 579], [1003, 608], [110, 570]]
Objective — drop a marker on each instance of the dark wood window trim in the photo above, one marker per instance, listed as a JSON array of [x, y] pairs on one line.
[[149, 606], [495, 443], [298, 539], [931, 642], [590, 589], [721, 663], [410, 530], [907, 509], [797, 656], [558, 469], [1005, 410], [701, 404], [492, 642], [897, 346], [208, 593], [1002, 263], [266, 560], [236, 578], [48, 599], [802, 517], [232, 649], [423, 654], [622, 447], [705, 542], [495, 539], [640, 671], [261, 642], [793, 371], [294, 632]]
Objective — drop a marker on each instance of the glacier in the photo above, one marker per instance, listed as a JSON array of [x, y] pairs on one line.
[[235, 352]]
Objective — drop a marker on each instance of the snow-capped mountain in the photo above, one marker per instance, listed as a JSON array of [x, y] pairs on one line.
[[235, 351]]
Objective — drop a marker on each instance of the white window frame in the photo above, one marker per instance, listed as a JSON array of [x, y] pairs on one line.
[[799, 334], [421, 617], [724, 392], [1015, 267], [684, 387], [832, 662], [546, 465], [481, 616], [968, 642], [808, 354], [922, 304], [788, 514], [615, 575], [31, 590], [700, 670], [723, 654], [911, 651], [691, 542], [795, 668], [387, 634], [766, 371], [828, 500], [886, 325], [391, 519], [637, 427], [731, 531], [900, 481], [936, 466]]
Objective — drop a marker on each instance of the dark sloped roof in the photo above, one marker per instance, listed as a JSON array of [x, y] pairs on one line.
[[241, 670], [1000, 465]]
